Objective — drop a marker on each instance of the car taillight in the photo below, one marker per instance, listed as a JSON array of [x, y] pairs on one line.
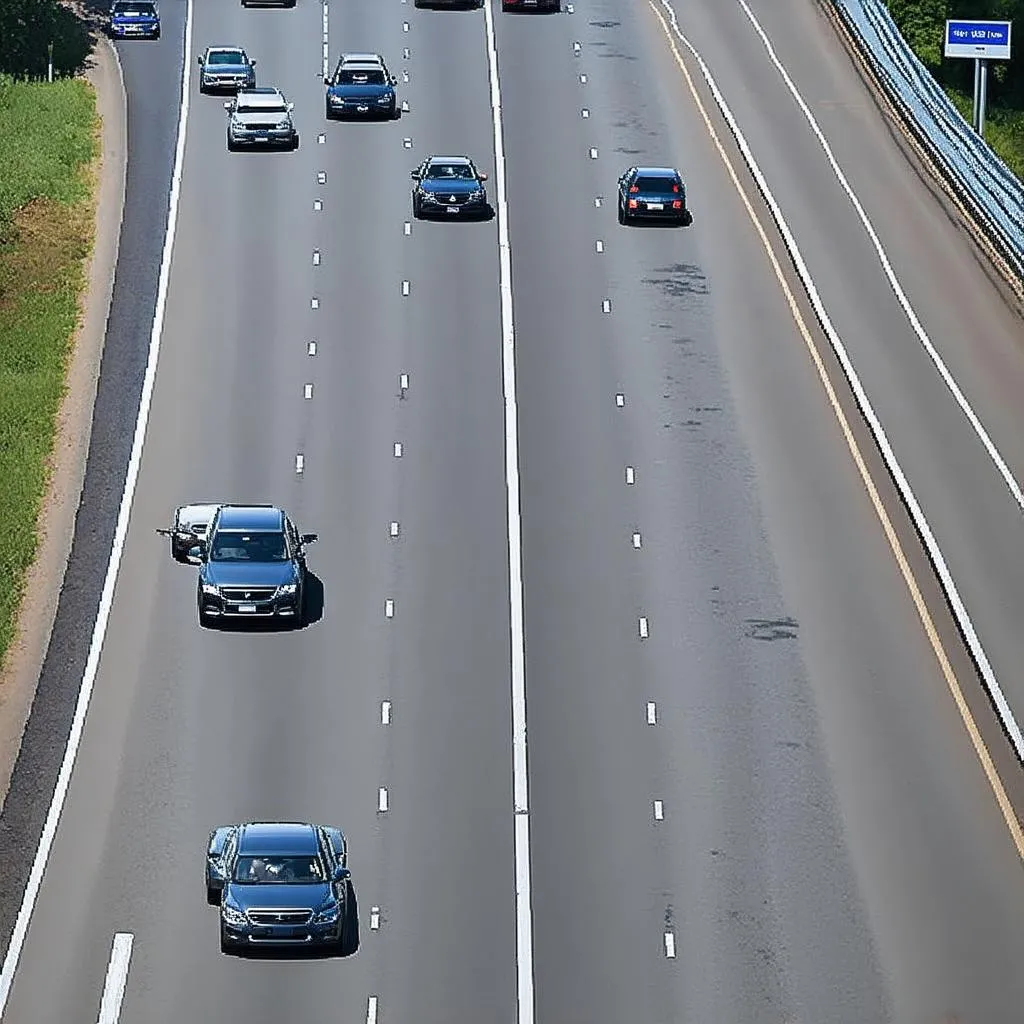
[[632, 204], [675, 188], [677, 204], [634, 189]]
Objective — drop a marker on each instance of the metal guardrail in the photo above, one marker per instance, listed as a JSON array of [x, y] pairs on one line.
[[982, 181]]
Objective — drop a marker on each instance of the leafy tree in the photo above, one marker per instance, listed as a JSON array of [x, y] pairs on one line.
[[27, 27]]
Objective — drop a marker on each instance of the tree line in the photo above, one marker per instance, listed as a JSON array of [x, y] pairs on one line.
[[922, 23], [27, 27]]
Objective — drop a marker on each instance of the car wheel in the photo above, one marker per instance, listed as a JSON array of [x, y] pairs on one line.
[[231, 145], [687, 219], [295, 142], [225, 946], [328, 113], [622, 214], [417, 209], [349, 941], [212, 896]]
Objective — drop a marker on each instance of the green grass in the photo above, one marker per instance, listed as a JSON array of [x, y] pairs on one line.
[[1004, 129], [49, 141]]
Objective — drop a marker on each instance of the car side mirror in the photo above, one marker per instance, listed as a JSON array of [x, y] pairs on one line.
[[310, 538], [394, 81], [483, 177], [252, 63], [199, 61], [415, 175], [327, 79], [228, 105], [291, 107], [341, 874]]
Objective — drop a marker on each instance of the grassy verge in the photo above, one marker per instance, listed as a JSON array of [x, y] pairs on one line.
[[49, 143], [1004, 129]]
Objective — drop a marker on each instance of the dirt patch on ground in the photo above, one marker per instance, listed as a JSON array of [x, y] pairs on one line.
[[45, 220]]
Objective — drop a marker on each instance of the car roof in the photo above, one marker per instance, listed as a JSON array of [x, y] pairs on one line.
[[225, 49], [361, 58], [262, 96], [250, 517], [659, 172], [449, 160], [278, 837]]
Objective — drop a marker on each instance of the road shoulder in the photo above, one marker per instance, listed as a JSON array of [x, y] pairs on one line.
[[44, 579]]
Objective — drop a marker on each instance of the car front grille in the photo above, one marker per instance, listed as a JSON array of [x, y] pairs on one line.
[[252, 594], [448, 199], [269, 127], [272, 916]]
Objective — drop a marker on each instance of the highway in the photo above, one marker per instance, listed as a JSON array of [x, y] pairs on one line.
[[752, 795]]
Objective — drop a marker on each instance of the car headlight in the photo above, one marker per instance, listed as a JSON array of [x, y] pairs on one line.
[[382, 100], [334, 98], [328, 913], [288, 588], [282, 125], [477, 193], [232, 915], [212, 589]]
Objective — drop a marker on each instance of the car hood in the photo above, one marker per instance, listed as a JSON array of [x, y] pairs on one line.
[[268, 895], [355, 92], [453, 186], [252, 117], [226, 69], [251, 574]]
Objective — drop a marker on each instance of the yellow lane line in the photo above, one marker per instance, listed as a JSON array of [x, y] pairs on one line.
[[956, 691]]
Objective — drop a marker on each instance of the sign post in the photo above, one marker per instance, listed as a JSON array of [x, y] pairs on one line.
[[980, 41], [49, 62]]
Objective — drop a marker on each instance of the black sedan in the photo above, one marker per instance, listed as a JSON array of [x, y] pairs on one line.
[[653, 193], [281, 884], [449, 186]]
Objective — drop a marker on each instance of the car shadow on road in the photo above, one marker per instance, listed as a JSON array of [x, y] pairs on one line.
[[311, 952]]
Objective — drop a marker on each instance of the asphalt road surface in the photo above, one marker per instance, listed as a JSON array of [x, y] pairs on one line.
[[752, 796]]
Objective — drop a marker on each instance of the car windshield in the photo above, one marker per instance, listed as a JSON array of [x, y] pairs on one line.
[[227, 57], [257, 870], [235, 546], [126, 7], [657, 184], [442, 170], [261, 108], [361, 76]]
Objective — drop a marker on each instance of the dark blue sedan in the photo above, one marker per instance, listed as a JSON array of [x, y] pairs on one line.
[[361, 86], [449, 186], [653, 193], [134, 19]]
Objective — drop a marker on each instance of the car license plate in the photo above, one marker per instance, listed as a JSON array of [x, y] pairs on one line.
[[655, 206], [453, 209], [247, 607]]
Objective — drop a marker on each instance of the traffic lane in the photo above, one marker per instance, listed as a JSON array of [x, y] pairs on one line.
[[446, 946], [962, 493], [197, 314], [590, 672], [867, 891], [152, 73]]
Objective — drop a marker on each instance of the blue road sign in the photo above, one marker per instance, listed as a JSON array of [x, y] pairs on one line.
[[984, 40]]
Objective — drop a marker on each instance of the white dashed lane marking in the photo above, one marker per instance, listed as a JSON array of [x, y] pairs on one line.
[[405, 287], [576, 47], [645, 630], [316, 257], [385, 712], [636, 540], [405, 106], [593, 153], [311, 349], [407, 143], [620, 400], [670, 945], [374, 918], [398, 449], [321, 178], [382, 799], [403, 382], [405, 53], [652, 713], [599, 245], [117, 978], [407, 228], [584, 112], [606, 306], [394, 528], [583, 79], [630, 475], [389, 608], [405, 77], [371, 1010], [300, 463], [321, 138], [659, 811], [318, 204], [314, 303], [307, 391], [405, 26], [597, 201]]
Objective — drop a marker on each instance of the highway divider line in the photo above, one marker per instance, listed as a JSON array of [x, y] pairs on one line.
[[117, 978], [520, 775], [35, 878], [953, 684]]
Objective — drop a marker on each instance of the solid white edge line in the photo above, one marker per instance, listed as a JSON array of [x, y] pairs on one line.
[[60, 791], [924, 529], [117, 978], [894, 282], [520, 776]]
